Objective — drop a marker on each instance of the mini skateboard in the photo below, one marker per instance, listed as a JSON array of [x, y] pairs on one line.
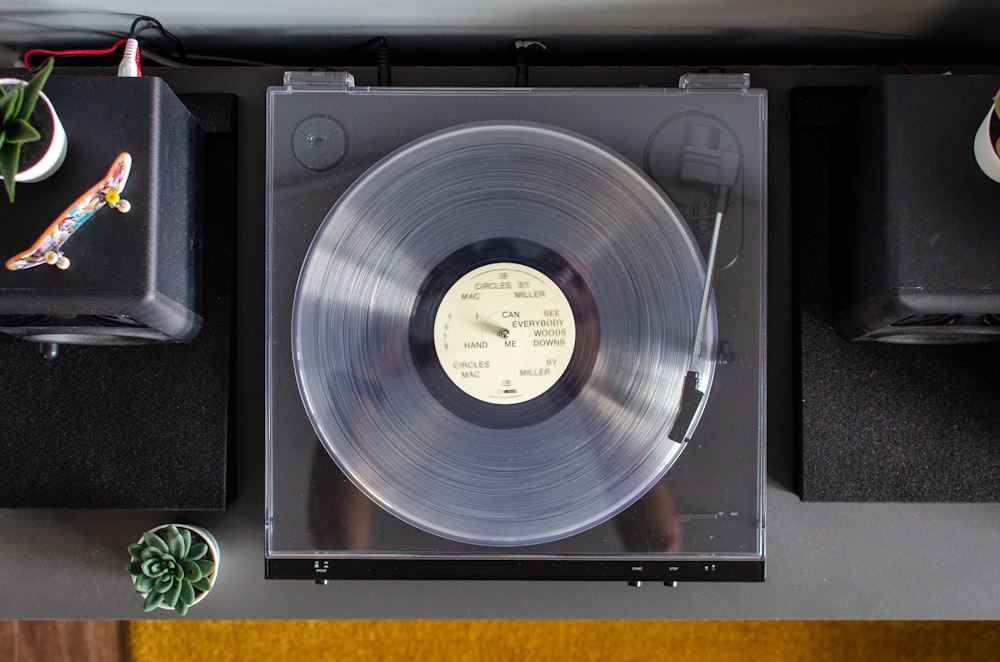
[[47, 249]]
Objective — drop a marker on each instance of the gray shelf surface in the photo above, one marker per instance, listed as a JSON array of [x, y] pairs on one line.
[[824, 560]]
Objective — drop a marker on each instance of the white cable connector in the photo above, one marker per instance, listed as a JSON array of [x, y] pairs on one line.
[[129, 67]]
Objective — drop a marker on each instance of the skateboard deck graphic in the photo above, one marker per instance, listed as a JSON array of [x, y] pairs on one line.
[[47, 249]]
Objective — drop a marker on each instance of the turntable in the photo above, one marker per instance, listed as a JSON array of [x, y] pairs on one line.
[[516, 333]]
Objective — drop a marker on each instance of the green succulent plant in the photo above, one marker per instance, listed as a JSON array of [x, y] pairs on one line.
[[170, 569], [17, 104]]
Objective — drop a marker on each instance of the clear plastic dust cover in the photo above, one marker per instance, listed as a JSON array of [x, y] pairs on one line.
[[516, 333]]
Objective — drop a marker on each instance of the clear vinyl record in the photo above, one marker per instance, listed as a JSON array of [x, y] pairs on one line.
[[491, 332]]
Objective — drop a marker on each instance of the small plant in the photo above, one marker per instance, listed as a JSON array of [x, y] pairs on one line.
[[16, 106], [170, 570], [996, 113]]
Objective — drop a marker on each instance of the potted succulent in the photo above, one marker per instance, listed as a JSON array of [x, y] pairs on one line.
[[174, 566], [32, 138]]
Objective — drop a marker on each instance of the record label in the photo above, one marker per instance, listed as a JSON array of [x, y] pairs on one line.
[[504, 333]]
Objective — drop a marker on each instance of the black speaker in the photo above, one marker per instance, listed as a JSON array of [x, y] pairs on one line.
[[133, 277], [916, 231]]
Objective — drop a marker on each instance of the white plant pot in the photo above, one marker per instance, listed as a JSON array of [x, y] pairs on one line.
[[213, 551], [983, 148], [56, 152]]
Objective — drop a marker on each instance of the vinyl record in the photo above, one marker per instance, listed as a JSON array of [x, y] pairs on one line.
[[579, 285]]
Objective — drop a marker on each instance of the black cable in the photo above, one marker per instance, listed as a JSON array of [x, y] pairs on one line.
[[154, 24], [384, 72], [521, 67], [521, 48], [360, 47], [138, 19]]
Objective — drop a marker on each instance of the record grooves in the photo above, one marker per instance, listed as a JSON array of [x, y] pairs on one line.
[[456, 477]]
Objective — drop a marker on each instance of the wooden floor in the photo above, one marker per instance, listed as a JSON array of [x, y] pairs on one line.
[[56, 641], [478, 641], [579, 641]]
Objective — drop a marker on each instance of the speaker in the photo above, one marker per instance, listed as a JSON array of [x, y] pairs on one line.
[[916, 230], [133, 277]]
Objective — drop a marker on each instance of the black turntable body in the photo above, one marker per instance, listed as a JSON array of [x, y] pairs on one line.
[[516, 333]]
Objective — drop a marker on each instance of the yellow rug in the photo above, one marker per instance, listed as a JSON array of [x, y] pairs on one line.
[[613, 641]]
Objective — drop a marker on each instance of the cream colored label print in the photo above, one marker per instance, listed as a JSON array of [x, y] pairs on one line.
[[504, 333]]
